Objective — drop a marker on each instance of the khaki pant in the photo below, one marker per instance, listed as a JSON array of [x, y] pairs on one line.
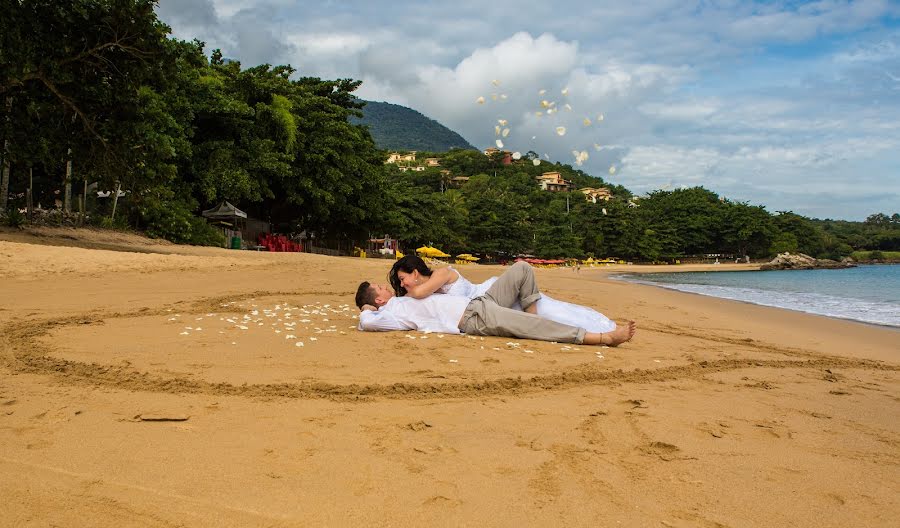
[[491, 315]]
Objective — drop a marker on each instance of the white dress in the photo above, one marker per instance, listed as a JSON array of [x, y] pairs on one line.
[[547, 307]]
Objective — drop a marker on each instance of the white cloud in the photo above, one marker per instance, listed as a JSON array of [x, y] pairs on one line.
[[692, 93]]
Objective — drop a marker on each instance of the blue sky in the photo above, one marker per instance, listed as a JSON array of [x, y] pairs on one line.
[[791, 105]]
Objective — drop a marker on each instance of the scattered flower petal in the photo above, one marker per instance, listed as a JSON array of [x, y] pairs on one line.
[[536, 162], [480, 100], [587, 122], [516, 155], [499, 144], [612, 169], [561, 130]]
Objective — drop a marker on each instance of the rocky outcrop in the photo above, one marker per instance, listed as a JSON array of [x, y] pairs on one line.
[[788, 261]]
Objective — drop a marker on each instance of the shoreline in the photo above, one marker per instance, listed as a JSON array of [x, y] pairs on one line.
[[112, 409], [742, 301]]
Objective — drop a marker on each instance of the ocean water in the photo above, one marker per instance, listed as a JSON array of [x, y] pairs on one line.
[[867, 293]]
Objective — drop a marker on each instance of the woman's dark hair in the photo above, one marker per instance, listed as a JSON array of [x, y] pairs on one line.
[[407, 264]]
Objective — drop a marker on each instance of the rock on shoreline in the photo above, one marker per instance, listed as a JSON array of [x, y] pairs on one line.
[[788, 261]]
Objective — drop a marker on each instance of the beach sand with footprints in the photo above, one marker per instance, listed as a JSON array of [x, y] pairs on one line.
[[149, 384]]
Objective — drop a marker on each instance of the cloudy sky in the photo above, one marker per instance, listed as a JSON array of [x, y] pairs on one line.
[[792, 105]]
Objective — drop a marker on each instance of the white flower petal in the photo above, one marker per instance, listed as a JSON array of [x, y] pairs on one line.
[[561, 131]]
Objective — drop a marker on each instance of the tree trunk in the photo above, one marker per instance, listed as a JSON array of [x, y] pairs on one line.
[[4, 179], [29, 199], [84, 203], [112, 215], [67, 196]]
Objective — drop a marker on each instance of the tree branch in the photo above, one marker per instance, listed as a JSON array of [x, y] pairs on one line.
[[71, 104]]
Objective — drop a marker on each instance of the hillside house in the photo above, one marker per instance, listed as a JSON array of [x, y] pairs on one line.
[[596, 194], [553, 182], [459, 181], [506, 158], [396, 157], [433, 162]]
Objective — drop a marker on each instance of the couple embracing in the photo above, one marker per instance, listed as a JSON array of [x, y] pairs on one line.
[[442, 300]]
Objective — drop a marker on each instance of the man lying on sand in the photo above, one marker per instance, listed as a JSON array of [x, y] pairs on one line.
[[488, 315]]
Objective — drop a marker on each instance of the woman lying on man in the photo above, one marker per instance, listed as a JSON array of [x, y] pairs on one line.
[[411, 276]]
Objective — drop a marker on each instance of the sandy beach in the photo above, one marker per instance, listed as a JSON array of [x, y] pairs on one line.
[[148, 384]]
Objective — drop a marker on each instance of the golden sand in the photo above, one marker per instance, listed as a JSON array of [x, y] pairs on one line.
[[147, 386]]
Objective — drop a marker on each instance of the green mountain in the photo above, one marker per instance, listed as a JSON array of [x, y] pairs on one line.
[[395, 127]]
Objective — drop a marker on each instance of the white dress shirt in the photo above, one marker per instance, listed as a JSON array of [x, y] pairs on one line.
[[435, 313]]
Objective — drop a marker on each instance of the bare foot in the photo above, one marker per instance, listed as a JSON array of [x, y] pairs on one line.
[[622, 333]]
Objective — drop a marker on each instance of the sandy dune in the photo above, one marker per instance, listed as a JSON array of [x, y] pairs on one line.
[[147, 384]]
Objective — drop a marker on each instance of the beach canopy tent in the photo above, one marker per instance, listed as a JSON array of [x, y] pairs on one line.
[[467, 256], [224, 211], [228, 217]]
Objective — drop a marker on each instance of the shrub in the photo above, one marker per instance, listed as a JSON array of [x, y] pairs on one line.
[[173, 221], [14, 218]]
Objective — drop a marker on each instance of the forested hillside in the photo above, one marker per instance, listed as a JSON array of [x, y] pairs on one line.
[[107, 120], [395, 127]]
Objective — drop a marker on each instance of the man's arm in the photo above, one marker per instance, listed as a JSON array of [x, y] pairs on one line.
[[372, 319]]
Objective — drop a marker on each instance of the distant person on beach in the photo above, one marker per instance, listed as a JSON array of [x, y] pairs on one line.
[[411, 276], [489, 314]]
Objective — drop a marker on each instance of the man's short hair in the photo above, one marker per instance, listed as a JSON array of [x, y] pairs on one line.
[[365, 295]]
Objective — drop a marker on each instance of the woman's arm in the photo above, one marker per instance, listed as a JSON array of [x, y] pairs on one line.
[[439, 277]]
